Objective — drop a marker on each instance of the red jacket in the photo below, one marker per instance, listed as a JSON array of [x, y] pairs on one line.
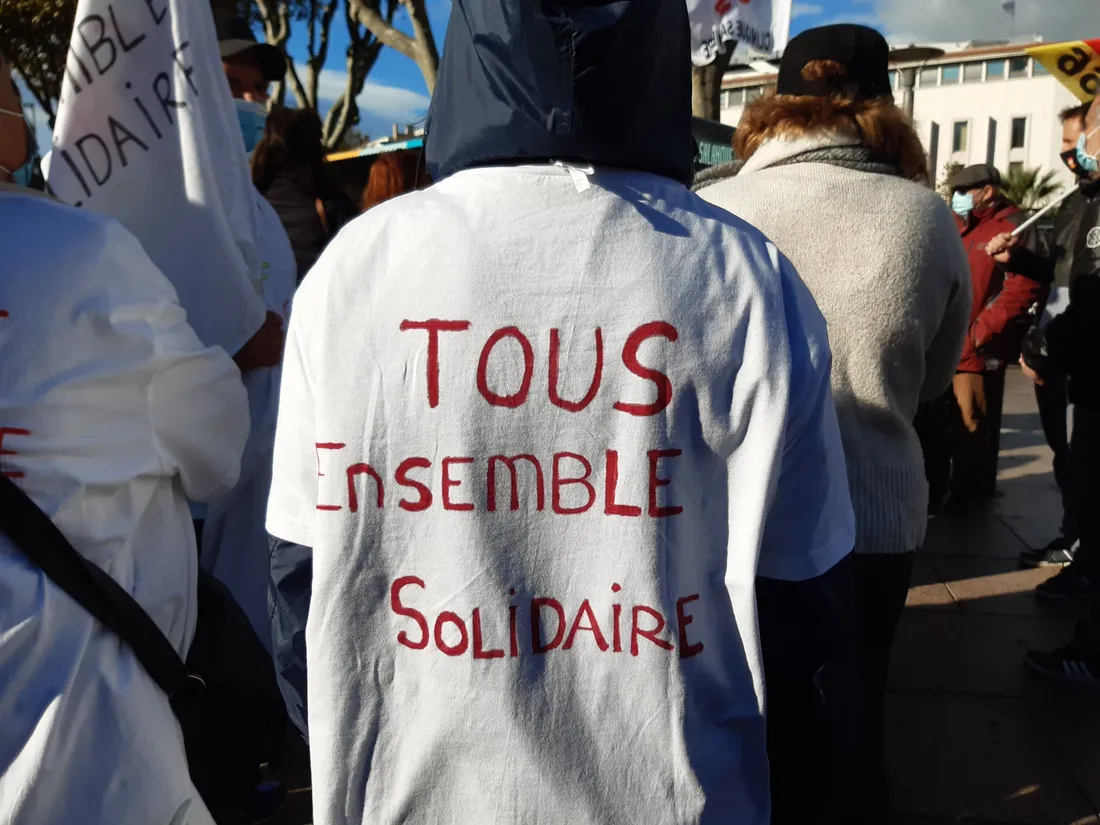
[[1000, 296]]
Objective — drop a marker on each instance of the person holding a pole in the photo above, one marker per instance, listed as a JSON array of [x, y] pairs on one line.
[[1069, 345], [1050, 393]]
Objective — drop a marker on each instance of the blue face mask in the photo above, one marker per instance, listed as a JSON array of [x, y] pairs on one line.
[[1088, 163], [962, 203], [251, 117], [25, 173]]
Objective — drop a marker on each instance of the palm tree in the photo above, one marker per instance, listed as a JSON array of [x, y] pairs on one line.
[[950, 169], [1029, 189]]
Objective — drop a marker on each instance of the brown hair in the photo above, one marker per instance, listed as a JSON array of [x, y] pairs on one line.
[[292, 147], [876, 123], [393, 174], [1074, 113]]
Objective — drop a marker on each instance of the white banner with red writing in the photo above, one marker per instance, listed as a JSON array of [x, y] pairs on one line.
[[147, 133], [761, 26]]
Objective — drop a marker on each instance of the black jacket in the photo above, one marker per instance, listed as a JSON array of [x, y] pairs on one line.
[[1053, 264], [298, 213], [1073, 338], [1070, 344]]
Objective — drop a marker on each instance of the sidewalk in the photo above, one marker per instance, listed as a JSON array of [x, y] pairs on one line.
[[973, 737]]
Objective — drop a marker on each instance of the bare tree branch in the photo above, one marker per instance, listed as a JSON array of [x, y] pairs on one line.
[[319, 54], [427, 57], [368, 14], [362, 53]]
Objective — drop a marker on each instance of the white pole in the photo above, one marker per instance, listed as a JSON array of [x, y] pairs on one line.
[[1043, 211]]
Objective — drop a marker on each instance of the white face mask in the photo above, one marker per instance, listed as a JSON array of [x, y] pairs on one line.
[[21, 176]]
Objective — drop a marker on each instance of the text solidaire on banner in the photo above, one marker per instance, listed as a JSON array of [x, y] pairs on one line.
[[147, 133], [761, 26]]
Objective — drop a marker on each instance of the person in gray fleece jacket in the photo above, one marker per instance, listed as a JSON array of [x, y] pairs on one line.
[[833, 173]]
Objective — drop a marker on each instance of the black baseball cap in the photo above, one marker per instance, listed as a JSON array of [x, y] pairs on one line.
[[862, 51], [975, 177], [237, 37]]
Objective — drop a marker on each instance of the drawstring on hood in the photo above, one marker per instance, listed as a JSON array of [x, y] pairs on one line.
[[525, 81]]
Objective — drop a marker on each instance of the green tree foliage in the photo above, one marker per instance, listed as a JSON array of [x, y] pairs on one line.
[[35, 34], [950, 169], [1030, 188]]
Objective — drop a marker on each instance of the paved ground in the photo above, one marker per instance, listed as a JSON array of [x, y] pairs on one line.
[[973, 737]]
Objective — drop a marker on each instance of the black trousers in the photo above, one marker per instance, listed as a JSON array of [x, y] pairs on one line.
[[956, 460], [807, 638], [1084, 454], [1053, 407], [882, 584], [933, 425], [974, 455]]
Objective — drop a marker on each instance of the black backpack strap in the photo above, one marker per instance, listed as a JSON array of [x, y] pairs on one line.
[[34, 533]]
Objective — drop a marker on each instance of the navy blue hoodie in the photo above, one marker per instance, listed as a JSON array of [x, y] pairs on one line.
[[525, 81]]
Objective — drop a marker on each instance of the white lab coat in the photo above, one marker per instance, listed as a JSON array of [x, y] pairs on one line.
[[115, 413], [234, 539]]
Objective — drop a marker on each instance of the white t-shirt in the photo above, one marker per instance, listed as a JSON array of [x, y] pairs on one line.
[[542, 441], [234, 541], [111, 414]]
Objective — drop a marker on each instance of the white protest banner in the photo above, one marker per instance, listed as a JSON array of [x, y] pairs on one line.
[[147, 133], [761, 26]]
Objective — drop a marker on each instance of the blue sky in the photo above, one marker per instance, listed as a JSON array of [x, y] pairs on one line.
[[395, 90]]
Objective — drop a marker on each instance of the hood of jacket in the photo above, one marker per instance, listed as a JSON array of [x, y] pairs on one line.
[[528, 81]]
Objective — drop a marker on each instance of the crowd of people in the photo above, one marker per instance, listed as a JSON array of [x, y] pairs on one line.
[[595, 486]]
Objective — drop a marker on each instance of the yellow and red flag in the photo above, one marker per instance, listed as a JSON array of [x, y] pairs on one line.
[[1076, 64]]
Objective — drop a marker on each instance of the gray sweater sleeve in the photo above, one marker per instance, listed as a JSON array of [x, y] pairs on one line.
[[950, 268]]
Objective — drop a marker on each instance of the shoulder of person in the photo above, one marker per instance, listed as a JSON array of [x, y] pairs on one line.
[[1011, 214], [72, 232]]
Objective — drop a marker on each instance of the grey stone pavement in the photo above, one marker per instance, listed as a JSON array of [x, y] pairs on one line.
[[972, 736]]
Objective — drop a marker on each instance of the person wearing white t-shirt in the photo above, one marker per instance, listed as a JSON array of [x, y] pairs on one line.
[[233, 539], [112, 413], [543, 425]]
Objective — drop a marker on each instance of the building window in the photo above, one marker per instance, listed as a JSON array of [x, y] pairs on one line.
[[951, 74], [1015, 167], [1019, 132], [934, 150], [1017, 67], [1038, 69], [960, 136], [752, 93], [893, 80], [737, 97], [972, 73], [995, 70], [929, 77]]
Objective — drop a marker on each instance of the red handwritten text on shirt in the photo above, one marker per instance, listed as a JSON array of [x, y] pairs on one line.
[[549, 626], [496, 347], [573, 483]]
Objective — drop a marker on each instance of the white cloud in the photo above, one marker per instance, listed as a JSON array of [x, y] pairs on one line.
[[806, 10], [379, 105], [948, 20]]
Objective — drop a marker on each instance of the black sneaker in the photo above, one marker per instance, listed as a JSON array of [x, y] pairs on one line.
[[1059, 553], [1068, 585], [1068, 664]]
